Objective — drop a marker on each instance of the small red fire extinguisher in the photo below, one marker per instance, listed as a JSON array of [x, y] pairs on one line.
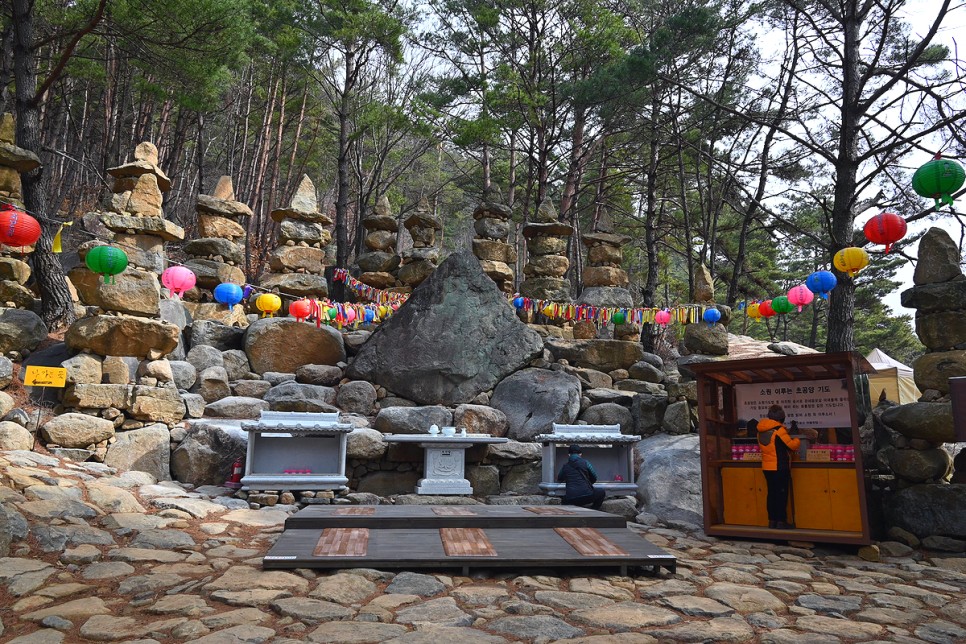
[[234, 481]]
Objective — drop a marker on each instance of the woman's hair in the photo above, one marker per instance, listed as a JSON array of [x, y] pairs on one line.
[[752, 425], [775, 412]]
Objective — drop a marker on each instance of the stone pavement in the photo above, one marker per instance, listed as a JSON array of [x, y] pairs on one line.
[[101, 555]]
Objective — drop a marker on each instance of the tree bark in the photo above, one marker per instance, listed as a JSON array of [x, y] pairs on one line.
[[57, 308]]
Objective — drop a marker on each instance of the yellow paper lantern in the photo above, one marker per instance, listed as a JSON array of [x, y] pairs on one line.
[[268, 303], [851, 260], [753, 312]]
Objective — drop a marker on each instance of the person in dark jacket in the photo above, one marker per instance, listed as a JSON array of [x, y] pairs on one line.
[[579, 476]]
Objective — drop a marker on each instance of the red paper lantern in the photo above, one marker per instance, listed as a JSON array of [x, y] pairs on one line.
[[17, 228], [765, 309], [662, 317], [300, 309], [885, 228]]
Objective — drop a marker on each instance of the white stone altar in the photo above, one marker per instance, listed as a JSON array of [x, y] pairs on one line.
[[445, 461], [296, 451], [610, 452]]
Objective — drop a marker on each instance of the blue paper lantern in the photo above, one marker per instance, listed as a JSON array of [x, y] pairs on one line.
[[369, 316], [228, 294], [518, 302], [711, 316], [821, 283]]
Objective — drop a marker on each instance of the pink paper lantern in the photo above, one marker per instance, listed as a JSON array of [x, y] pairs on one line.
[[178, 279], [800, 296], [662, 317]]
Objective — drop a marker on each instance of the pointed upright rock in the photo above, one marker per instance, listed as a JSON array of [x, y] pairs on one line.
[[454, 338]]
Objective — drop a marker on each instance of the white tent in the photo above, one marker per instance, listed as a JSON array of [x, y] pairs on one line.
[[893, 377]]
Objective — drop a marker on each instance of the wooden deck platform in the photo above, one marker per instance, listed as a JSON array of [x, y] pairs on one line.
[[462, 537]]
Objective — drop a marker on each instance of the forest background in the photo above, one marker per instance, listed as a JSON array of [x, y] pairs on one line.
[[750, 136]]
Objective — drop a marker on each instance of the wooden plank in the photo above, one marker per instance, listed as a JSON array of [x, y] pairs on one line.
[[453, 511], [342, 542], [590, 542], [549, 510], [358, 511], [466, 542]]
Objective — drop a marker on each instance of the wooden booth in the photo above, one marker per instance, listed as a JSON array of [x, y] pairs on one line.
[[827, 500]]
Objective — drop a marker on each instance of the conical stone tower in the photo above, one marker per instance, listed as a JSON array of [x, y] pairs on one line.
[[492, 227], [546, 257]]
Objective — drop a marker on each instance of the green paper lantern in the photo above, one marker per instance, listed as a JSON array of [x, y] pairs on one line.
[[107, 261], [619, 317], [938, 180], [781, 305]]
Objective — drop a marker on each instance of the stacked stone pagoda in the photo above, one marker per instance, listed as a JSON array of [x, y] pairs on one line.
[[14, 273], [380, 264], [296, 267], [492, 226], [546, 257], [219, 254], [605, 282], [133, 210], [420, 261]]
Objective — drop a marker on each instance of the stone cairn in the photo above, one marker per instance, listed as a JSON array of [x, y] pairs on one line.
[[546, 257], [911, 437], [219, 254], [605, 282], [420, 261], [296, 267], [14, 273], [119, 378], [380, 265], [492, 226]]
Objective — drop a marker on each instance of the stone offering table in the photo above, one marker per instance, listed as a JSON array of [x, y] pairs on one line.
[[443, 472], [610, 452], [296, 451]]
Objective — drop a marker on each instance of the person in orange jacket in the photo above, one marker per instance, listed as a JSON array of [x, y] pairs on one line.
[[776, 447]]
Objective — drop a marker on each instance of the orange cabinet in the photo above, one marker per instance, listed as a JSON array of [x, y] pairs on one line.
[[740, 488], [826, 499]]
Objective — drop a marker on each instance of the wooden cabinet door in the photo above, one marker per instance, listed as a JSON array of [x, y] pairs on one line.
[[844, 497], [811, 497], [739, 495], [761, 491]]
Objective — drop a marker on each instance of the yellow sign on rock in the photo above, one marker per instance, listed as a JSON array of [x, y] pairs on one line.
[[45, 377]]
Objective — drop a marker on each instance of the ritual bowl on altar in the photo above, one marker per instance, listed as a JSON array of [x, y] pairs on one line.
[[449, 431]]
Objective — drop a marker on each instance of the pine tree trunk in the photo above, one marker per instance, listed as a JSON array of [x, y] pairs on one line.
[[57, 306]]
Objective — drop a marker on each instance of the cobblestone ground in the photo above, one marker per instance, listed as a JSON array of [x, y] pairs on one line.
[[117, 557]]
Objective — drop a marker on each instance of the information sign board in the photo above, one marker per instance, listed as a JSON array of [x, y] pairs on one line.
[[37, 376], [812, 403]]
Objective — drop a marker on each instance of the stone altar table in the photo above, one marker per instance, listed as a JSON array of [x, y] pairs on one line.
[[445, 463], [610, 452]]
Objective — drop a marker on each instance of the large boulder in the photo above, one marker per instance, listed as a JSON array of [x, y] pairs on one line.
[[669, 484], [932, 422], [134, 292], [609, 413], [455, 338], [146, 450], [20, 330], [365, 444], [215, 334], [706, 340], [920, 466], [13, 436], [236, 407], [356, 397], [206, 454], [933, 370], [939, 258], [534, 399], [157, 404], [77, 430], [648, 411], [927, 510], [481, 419], [283, 344], [602, 355], [122, 335], [6, 371]]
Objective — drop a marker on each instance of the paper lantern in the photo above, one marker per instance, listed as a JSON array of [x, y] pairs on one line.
[[228, 294], [350, 315], [938, 180], [619, 317], [753, 312], [851, 260], [178, 279], [885, 228], [662, 317], [107, 261], [711, 316], [17, 228], [766, 310], [518, 302], [369, 317], [300, 309], [821, 283], [800, 296], [781, 305], [268, 303]]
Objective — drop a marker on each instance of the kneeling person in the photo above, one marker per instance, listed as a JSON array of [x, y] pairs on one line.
[[579, 476]]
